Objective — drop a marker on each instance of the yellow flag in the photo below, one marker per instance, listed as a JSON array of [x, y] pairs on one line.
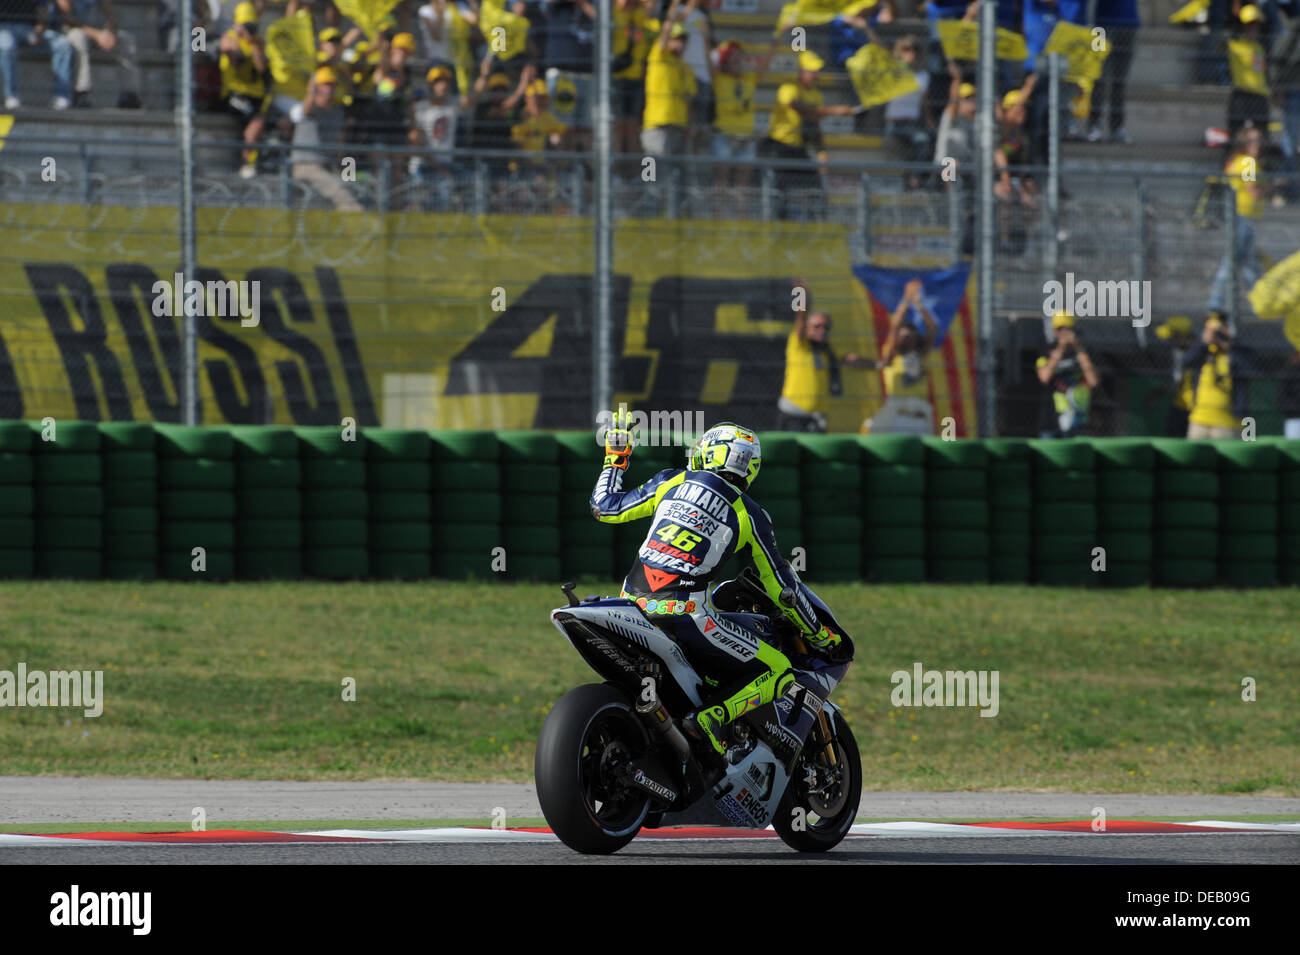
[[1246, 60], [960, 40], [462, 54], [878, 76], [1084, 53], [1277, 295], [291, 52], [366, 13], [810, 13], [506, 34], [1188, 13]]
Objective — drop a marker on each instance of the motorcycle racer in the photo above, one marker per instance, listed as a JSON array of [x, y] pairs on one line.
[[700, 517]]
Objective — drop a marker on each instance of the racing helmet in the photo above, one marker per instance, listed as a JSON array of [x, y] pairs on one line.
[[730, 451]]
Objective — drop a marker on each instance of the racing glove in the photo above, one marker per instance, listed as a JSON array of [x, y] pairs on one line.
[[824, 639], [620, 439]]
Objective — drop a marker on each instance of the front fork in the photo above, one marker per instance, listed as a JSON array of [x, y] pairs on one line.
[[826, 736]]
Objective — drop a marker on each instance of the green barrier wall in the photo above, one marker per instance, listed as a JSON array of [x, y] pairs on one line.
[[136, 501]]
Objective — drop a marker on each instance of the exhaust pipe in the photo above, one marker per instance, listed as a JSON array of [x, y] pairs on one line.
[[653, 714]]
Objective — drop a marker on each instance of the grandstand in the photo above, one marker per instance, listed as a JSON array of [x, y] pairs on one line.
[[1170, 105]]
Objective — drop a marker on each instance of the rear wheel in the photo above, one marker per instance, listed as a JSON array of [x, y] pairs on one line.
[[821, 801], [589, 735]]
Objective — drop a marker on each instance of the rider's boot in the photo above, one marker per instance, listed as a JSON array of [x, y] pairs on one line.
[[707, 724]]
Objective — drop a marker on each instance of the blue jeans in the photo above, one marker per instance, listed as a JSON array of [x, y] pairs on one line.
[[13, 36], [1247, 265]]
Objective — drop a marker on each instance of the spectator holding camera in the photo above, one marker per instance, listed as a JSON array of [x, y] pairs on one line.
[[243, 81], [1222, 370], [1067, 372]]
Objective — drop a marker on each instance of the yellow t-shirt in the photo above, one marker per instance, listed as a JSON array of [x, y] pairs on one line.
[[242, 77], [1213, 407], [905, 376], [531, 133], [1249, 203], [786, 125], [642, 37], [807, 375], [734, 96], [1248, 64], [669, 86]]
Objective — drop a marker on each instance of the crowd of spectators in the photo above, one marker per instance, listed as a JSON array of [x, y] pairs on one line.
[[678, 89], [69, 30]]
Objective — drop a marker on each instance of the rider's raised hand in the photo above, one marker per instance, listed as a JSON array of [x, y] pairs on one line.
[[620, 439]]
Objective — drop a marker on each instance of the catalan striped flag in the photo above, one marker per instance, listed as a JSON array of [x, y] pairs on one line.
[[949, 295]]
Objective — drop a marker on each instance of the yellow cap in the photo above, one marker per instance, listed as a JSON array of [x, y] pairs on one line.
[[404, 41], [1214, 321], [437, 73], [965, 90], [1062, 320], [537, 88], [1250, 14], [329, 35], [325, 74], [245, 13], [498, 81], [1011, 99], [810, 61], [1178, 325]]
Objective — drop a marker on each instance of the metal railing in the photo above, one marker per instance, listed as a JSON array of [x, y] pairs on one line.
[[1131, 224]]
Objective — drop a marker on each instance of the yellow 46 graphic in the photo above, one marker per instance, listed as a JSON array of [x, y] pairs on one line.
[[681, 539]]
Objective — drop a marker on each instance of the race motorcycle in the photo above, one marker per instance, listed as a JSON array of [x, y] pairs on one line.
[[611, 759]]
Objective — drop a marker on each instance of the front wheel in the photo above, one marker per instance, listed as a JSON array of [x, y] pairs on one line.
[[816, 817], [589, 735]]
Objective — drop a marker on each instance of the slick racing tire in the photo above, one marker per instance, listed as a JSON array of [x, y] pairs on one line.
[[816, 823], [589, 730]]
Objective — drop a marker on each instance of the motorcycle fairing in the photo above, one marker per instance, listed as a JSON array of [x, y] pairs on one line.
[[752, 789], [622, 621]]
